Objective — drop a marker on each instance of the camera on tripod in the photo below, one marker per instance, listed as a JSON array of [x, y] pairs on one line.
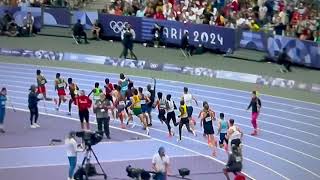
[[87, 169], [89, 138]]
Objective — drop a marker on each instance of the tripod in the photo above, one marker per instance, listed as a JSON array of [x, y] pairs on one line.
[[87, 169]]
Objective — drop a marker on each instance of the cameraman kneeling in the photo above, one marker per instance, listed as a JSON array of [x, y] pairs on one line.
[[78, 32], [234, 164], [72, 149], [101, 109]]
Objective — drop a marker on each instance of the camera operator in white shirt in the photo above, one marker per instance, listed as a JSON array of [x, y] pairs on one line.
[[160, 164], [72, 150]]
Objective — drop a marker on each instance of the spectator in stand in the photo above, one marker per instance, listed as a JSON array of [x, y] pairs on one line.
[[118, 11], [149, 12], [317, 37], [279, 27], [140, 12], [159, 14], [171, 16], [220, 19]]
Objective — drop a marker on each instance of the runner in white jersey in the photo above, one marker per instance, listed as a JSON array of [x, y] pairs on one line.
[[171, 115], [188, 98], [234, 136]]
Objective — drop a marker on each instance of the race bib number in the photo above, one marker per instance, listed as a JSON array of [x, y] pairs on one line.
[[143, 101], [43, 81], [208, 119], [238, 159], [102, 110], [96, 97], [61, 85], [122, 103]]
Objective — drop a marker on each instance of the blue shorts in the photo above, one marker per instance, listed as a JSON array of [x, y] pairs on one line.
[[144, 108], [189, 111]]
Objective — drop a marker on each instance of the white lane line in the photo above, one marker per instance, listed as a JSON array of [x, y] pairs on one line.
[[303, 141], [257, 149], [62, 145], [172, 86], [242, 125], [164, 80], [141, 134], [219, 105], [103, 161]]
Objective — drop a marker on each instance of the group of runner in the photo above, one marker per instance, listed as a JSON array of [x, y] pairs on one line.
[[129, 101]]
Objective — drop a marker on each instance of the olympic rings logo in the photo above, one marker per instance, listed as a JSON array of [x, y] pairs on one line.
[[117, 26]]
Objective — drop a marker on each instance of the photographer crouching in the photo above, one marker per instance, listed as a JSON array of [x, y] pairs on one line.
[[234, 163], [127, 36], [101, 109]]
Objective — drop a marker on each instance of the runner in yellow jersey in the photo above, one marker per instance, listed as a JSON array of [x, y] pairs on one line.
[[60, 86], [73, 88], [136, 108], [184, 120]]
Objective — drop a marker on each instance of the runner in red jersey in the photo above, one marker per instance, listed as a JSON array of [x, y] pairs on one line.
[[42, 81], [60, 86], [108, 91]]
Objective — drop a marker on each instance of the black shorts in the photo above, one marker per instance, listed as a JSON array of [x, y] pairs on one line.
[[162, 114], [184, 121], [233, 169], [171, 116], [84, 115], [189, 111], [236, 142]]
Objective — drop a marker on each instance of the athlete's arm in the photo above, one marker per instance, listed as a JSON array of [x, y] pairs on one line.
[[55, 85], [219, 127], [91, 92], [195, 100], [249, 105]]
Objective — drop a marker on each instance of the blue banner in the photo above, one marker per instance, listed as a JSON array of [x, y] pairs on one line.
[[57, 17], [253, 40], [113, 25], [305, 53], [87, 18], [211, 37]]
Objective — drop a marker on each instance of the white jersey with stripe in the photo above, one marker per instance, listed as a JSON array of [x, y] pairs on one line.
[[187, 99], [236, 134], [162, 103], [170, 106]]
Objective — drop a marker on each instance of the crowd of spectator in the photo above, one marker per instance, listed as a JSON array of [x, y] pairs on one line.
[[295, 18]]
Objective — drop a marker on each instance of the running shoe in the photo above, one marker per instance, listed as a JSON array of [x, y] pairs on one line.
[[133, 125], [69, 113], [33, 126], [36, 125], [148, 131]]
